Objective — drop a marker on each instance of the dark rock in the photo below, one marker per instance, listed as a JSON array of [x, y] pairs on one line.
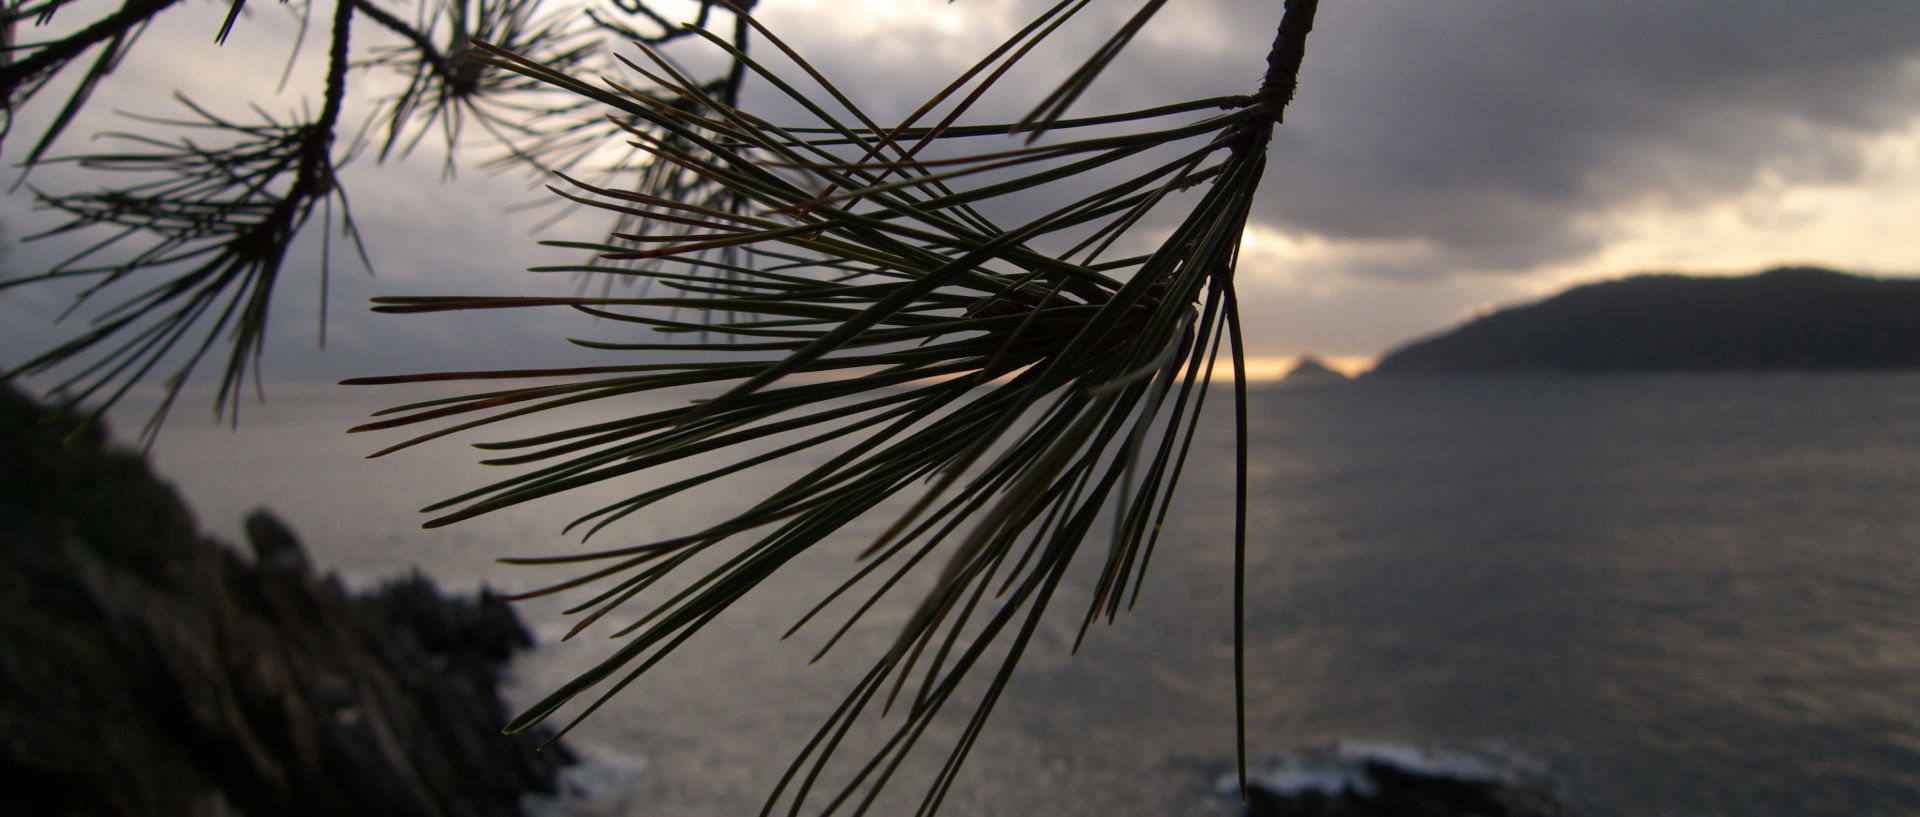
[[148, 670], [485, 629], [275, 547]]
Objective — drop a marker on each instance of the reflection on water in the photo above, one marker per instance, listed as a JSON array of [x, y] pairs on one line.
[[1675, 595]]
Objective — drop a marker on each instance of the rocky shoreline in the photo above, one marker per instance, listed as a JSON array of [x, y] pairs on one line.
[[149, 670]]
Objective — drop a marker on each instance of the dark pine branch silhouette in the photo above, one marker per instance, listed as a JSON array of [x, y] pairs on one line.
[[182, 263], [833, 285], [874, 313], [223, 217]]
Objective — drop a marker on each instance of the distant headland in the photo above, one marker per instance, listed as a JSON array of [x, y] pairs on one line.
[[1789, 318], [1310, 369]]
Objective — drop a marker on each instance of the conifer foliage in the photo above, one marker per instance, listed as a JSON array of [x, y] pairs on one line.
[[878, 312], [184, 229], [1025, 389]]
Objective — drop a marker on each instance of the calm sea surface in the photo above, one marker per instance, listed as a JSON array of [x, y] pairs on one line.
[[1657, 595]]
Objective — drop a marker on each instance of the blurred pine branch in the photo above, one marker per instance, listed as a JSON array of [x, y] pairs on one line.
[[182, 261]]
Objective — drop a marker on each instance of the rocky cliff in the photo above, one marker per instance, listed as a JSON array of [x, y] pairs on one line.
[[147, 670]]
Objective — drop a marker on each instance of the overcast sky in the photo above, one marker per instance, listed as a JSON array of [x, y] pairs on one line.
[[1442, 158]]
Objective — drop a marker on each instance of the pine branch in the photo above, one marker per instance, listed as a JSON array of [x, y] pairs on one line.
[[1010, 396]]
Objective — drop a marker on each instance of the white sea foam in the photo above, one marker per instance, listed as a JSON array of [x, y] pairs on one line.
[[1301, 773], [602, 776], [1343, 769], [1423, 762]]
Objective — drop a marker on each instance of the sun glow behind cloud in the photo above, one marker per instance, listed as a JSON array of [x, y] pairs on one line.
[[1865, 226]]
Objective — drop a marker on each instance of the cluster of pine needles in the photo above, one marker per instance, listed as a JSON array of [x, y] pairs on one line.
[[859, 301]]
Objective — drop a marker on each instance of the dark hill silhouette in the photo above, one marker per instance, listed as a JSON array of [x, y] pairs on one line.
[[1310, 369], [1786, 318]]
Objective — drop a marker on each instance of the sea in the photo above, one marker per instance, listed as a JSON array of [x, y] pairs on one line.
[[1653, 595]]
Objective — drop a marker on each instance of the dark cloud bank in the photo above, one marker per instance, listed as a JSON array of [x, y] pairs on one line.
[[1493, 133]]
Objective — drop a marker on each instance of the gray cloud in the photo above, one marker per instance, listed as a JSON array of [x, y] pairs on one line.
[[1497, 135], [1495, 132]]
